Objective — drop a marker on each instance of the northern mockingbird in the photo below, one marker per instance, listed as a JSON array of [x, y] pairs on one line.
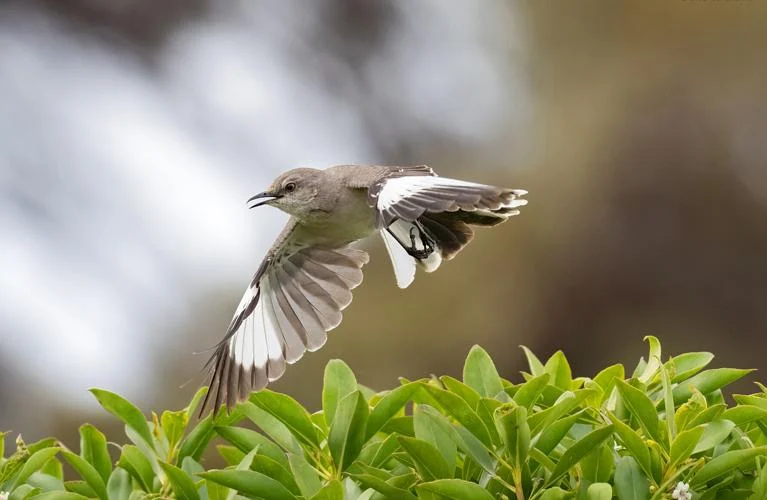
[[307, 277]]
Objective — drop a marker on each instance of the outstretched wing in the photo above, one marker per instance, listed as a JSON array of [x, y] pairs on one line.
[[430, 216], [295, 298], [409, 197]]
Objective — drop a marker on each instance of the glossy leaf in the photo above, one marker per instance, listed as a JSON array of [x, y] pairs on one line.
[[93, 448], [183, 486], [688, 364], [707, 381], [515, 433], [630, 483], [536, 367], [461, 411], [714, 433], [288, 411], [389, 406], [642, 408], [305, 475], [334, 490], [198, 439], [462, 390], [88, 472], [559, 370], [133, 461], [432, 427], [125, 411], [578, 450], [456, 489], [480, 373], [683, 446], [339, 382], [725, 463], [119, 485], [531, 390], [347, 433], [599, 491], [35, 462], [427, 459], [250, 483]]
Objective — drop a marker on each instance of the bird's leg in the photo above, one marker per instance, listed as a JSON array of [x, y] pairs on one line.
[[412, 250], [428, 246]]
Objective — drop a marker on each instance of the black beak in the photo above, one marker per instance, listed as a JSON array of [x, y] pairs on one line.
[[265, 198]]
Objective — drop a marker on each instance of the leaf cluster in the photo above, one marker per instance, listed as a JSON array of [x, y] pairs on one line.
[[549, 436]]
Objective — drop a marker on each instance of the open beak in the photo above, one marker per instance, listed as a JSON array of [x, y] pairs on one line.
[[264, 198]]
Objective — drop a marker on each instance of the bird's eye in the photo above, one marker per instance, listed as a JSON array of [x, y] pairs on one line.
[[290, 187]]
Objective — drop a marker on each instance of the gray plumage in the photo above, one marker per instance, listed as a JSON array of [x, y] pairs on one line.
[[306, 279]]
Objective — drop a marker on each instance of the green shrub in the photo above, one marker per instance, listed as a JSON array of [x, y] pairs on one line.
[[665, 430]]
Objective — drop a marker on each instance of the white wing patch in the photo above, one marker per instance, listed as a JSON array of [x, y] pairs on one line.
[[403, 263]]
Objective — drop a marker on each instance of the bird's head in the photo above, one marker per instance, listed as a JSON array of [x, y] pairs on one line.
[[293, 192]]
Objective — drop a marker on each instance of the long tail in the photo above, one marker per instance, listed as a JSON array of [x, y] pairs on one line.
[[434, 237]]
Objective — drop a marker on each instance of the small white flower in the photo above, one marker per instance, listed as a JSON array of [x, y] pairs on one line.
[[4, 495], [682, 491]]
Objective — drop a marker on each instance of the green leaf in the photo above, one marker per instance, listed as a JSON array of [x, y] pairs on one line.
[[88, 472], [93, 448], [138, 466], [381, 486], [119, 485], [59, 495], [559, 369], [530, 391], [606, 378], [556, 493], [125, 411], [427, 459], [725, 463], [598, 465], [432, 427], [480, 374], [79, 487], [688, 364], [231, 454], [630, 483], [173, 425], [653, 360], [197, 440], [642, 408], [714, 433], [462, 390], [250, 483], [536, 367], [288, 411], [578, 450], [461, 411], [473, 447], [339, 382], [23, 492], [273, 469], [744, 414], [456, 489], [306, 476], [515, 433], [35, 462], [183, 485], [347, 433], [707, 381], [683, 446], [247, 439], [388, 406], [334, 490], [272, 427], [553, 434], [599, 491]]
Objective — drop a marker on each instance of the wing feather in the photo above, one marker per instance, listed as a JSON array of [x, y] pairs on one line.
[[295, 298]]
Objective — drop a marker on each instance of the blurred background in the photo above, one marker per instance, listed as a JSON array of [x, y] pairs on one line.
[[133, 131]]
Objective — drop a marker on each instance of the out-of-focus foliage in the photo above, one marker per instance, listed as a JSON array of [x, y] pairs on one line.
[[662, 430]]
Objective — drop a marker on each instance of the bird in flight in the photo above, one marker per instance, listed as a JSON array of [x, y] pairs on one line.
[[307, 277]]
